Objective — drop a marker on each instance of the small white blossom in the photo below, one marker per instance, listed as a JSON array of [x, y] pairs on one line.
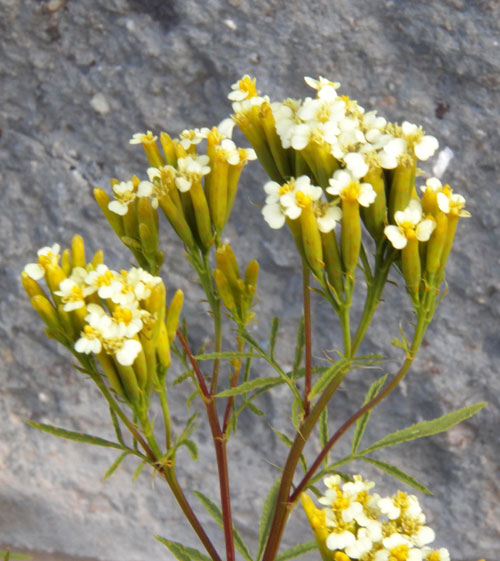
[[387, 507], [409, 222], [326, 89], [128, 352], [341, 540], [344, 184], [191, 137], [48, 255], [124, 194], [191, 169], [140, 138], [71, 294]]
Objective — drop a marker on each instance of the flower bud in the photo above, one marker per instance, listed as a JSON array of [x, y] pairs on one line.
[[279, 154], [163, 347], [226, 262], [333, 264], [374, 216], [410, 261], [153, 154], [78, 252], [217, 194], [224, 289], [312, 241], [129, 382], [436, 244], [317, 521], [402, 185], [47, 312], [66, 262], [168, 149], [54, 276], [109, 369], [350, 237], [31, 286], [251, 274], [202, 215], [114, 220], [177, 220], [173, 314]]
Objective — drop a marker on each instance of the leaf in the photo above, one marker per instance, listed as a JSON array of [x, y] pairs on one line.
[[116, 426], [113, 467], [297, 412], [183, 552], [299, 347], [398, 474], [246, 373], [184, 376], [425, 428], [275, 326], [191, 446], [190, 399], [288, 442], [256, 383], [323, 430], [297, 551], [216, 514], [255, 410], [363, 420], [76, 436], [226, 355], [137, 472], [266, 518], [333, 372]]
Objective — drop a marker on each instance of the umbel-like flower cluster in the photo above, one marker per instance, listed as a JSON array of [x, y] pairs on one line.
[[331, 161], [355, 524], [119, 317]]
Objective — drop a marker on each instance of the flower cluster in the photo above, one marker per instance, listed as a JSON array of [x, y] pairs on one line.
[[329, 161], [195, 190], [355, 524], [120, 317]]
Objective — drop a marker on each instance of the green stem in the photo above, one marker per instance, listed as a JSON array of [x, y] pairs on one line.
[[166, 417], [307, 337]]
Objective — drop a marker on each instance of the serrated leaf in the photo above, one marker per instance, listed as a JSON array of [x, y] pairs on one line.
[[191, 398], [288, 442], [216, 514], [183, 552], [363, 420], [113, 467], [75, 436], [246, 373], [266, 517], [331, 373], [254, 384], [297, 412], [425, 428], [226, 355], [323, 430], [275, 326], [297, 551], [398, 474]]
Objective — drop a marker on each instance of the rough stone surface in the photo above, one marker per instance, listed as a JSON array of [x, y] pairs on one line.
[[76, 80]]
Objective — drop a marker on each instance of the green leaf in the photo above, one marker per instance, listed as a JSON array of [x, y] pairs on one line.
[[216, 514], [115, 465], [299, 347], [297, 412], [76, 436], [191, 446], [398, 474], [288, 442], [255, 410], [275, 326], [297, 551], [363, 420], [191, 398], [183, 552], [323, 431], [246, 373], [116, 426], [330, 374], [184, 376], [254, 384], [425, 428], [226, 355], [137, 472], [266, 518]]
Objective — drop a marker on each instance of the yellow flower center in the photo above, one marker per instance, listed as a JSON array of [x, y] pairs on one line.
[[433, 556], [89, 332], [287, 187], [122, 315], [399, 553], [75, 295], [352, 191], [246, 84], [106, 279], [341, 556], [303, 200]]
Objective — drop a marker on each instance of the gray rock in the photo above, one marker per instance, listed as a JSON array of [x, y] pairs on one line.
[[77, 79]]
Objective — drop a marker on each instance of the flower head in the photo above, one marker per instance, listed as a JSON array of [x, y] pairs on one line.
[[409, 223]]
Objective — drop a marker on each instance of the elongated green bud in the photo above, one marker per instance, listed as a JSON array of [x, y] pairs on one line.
[[141, 370], [375, 215], [450, 236], [177, 220], [226, 262], [410, 261], [31, 286], [312, 240], [129, 382], [218, 192], [153, 154], [114, 220], [168, 149], [66, 262], [163, 348], [403, 183], [251, 274], [333, 264], [66, 323], [46, 311], [108, 367], [317, 521], [98, 258], [436, 244], [78, 252], [279, 154], [54, 276], [225, 290], [148, 228], [173, 314], [350, 238], [202, 215]]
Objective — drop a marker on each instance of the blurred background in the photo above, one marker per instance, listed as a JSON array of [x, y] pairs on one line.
[[77, 79]]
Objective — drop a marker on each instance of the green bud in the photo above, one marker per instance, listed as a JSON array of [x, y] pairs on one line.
[[173, 314], [202, 215], [177, 220], [109, 369], [410, 261], [333, 265], [163, 347], [78, 252], [66, 262], [114, 220], [31, 286], [402, 186], [350, 238], [168, 149], [46, 311], [374, 216], [225, 290], [436, 244], [312, 241]]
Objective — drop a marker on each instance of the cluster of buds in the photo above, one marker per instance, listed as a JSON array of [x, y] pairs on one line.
[[331, 161], [121, 318], [237, 293], [195, 190], [355, 524]]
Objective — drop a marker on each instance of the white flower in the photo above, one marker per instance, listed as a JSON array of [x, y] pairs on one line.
[[273, 216], [423, 536], [391, 152], [128, 352], [228, 151], [356, 164], [124, 194], [387, 507], [362, 545], [243, 89], [303, 195], [48, 255], [140, 138], [441, 554], [71, 294], [426, 147], [189, 137], [191, 169], [326, 89], [409, 222], [345, 185], [340, 541], [106, 282], [327, 216], [226, 126], [89, 341]]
